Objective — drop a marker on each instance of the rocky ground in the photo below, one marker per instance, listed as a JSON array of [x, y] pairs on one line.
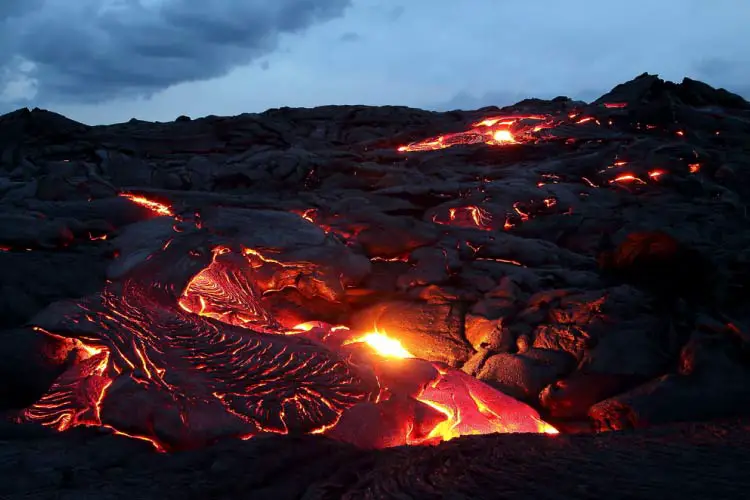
[[687, 461], [595, 270]]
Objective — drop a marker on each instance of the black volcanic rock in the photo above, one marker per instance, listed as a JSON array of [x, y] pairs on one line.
[[688, 462], [695, 93], [596, 268], [657, 261], [648, 88], [641, 89]]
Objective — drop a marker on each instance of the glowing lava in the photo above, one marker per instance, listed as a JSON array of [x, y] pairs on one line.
[[180, 367], [492, 131], [156, 207], [383, 345], [471, 216], [466, 406]]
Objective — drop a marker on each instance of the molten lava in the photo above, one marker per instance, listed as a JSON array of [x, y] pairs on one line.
[[469, 407], [471, 216], [491, 131], [520, 129], [383, 345], [154, 206], [181, 362]]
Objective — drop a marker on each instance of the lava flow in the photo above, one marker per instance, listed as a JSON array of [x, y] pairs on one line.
[[466, 405], [182, 352], [492, 131], [154, 206]]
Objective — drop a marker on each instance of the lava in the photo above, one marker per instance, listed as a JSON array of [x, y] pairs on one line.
[[628, 178], [181, 366], [205, 357], [470, 216], [226, 293], [494, 131], [382, 344], [156, 207], [465, 406]]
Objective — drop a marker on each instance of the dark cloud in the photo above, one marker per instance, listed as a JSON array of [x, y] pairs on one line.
[[89, 50], [13, 8]]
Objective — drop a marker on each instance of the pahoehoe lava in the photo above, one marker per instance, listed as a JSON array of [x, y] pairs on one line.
[[383, 277]]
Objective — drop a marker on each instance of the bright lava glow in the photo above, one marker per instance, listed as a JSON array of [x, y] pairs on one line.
[[383, 344], [156, 207], [493, 131], [503, 136]]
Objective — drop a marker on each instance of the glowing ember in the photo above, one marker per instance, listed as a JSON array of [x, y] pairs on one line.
[[154, 206]]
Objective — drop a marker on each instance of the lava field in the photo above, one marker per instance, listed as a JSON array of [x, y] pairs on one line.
[[376, 302]]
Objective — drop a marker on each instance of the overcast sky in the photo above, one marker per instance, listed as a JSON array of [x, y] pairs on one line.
[[105, 61]]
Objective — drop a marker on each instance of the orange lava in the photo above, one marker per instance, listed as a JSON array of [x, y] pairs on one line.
[[382, 344], [493, 131], [229, 297], [467, 406], [471, 216], [324, 374], [156, 207], [472, 408], [628, 178]]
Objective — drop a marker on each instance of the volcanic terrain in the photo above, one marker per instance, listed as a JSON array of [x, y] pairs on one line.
[[545, 300]]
